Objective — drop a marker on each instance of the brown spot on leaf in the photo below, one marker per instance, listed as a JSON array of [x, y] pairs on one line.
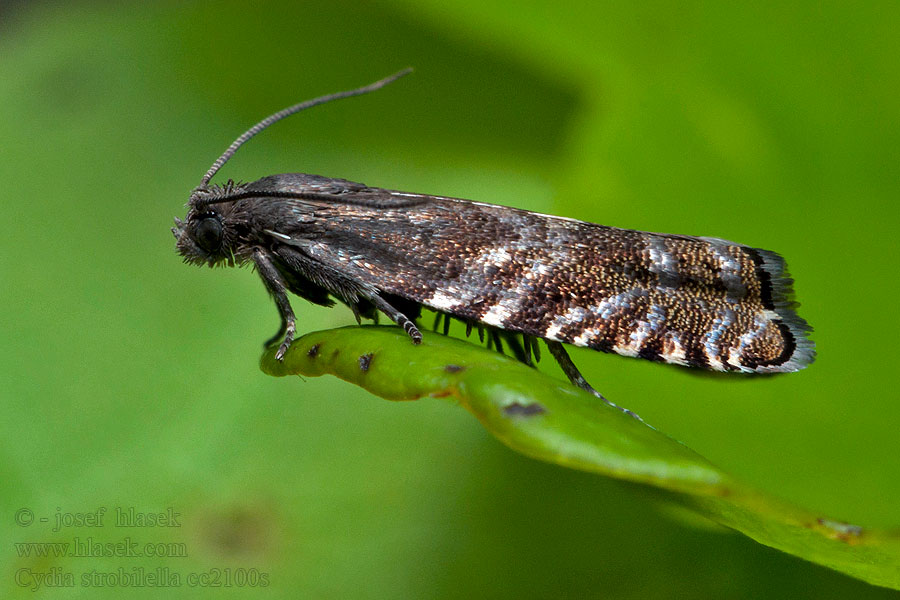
[[454, 368], [524, 410], [839, 530], [365, 361], [313, 351]]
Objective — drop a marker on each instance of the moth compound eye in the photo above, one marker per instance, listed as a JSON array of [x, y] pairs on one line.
[[208, 234]]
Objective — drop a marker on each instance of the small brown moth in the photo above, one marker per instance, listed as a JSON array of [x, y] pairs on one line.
[[692, 301]]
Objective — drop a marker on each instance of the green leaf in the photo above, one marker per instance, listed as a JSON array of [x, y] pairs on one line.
[[550, 420]]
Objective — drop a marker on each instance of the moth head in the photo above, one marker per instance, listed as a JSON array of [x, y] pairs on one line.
[[202, 237], [207, 236]]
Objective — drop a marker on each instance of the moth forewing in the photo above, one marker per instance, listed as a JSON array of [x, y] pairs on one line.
[[701, 302]]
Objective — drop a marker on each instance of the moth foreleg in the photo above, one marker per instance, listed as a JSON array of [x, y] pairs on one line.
[[577, 379], [397, 317], [278, 336], [275, 283]]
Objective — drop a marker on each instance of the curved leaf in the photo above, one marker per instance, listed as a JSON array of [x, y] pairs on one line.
[[553, 421]]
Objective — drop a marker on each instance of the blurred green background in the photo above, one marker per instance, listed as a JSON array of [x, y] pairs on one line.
[[131, 380]]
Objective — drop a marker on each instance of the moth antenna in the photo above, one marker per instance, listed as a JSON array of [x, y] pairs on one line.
[[274, 118]]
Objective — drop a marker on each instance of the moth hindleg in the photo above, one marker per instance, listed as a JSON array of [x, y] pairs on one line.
[[577, 379], [277, 288]]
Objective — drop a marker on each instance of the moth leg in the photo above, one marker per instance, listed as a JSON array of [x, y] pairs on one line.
[[521, 352], [535, 348], [278, 290], [278, 336], [397, 317], [495, 339], [577, 379]]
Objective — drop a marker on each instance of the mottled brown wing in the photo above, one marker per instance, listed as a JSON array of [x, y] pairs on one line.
[[701, 302]]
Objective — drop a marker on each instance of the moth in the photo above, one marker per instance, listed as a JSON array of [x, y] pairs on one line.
[[691, 301]]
